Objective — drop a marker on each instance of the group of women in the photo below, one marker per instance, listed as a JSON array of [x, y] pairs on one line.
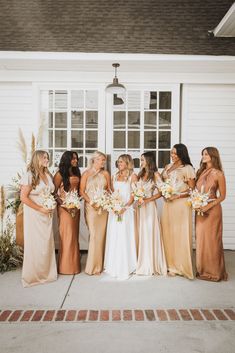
[[140, 243]]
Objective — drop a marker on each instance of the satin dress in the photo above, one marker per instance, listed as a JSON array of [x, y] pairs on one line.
[[210, 262], [96, 223], [69, 255], [39, 265], [177, 227], [120, 250], [151, 256]]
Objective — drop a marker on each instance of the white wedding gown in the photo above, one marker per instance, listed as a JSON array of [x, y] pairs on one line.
[[120, 250]]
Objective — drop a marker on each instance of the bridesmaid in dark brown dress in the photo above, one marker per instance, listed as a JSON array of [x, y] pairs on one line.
[[209, 246], [68, 179]]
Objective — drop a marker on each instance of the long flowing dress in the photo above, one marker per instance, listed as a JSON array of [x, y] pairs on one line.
[[69, 257], [210, 262], [96, 223], [151, 257], [39, 265], [177, 225], [120, 250]]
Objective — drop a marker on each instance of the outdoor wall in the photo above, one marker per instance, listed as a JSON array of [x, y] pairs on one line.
[[15, 112], [208, 119]]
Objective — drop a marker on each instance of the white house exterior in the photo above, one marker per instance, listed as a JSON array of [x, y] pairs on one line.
[[170, 98]]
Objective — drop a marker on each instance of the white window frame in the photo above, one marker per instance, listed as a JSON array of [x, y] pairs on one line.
[[175, 114]]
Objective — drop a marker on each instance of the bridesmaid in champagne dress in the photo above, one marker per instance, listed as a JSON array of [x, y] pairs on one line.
[[39, 265], [210, 262], [92, 179], [151, 257], [67, 179], [177, 215]]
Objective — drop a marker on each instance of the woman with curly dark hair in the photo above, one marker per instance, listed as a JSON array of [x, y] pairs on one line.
[[68, 179]]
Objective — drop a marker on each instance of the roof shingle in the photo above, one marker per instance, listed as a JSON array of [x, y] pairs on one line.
[[109, 26]]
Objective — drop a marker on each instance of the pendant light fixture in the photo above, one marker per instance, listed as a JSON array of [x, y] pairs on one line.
[[115, 87]]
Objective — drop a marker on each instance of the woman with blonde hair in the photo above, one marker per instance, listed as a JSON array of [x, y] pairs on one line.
[[120, 250], [93, 179], [210, 178], [39, 264]]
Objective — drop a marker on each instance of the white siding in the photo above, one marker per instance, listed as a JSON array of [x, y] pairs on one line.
[[15, 112], [208, 119]]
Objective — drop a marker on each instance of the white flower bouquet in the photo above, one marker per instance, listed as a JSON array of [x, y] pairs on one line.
[[99, 199], [48, 200], [115, 204], [72, 202], [198, 199], [140, 191], [169, 187]]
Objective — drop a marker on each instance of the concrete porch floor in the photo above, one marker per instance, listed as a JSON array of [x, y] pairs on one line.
[[102, 292]]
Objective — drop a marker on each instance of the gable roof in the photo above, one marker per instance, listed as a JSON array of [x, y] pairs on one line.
[[110, 26]]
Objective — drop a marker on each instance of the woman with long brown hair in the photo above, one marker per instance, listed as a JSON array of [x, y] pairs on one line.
[[151, 257], [39, 264], [209, 246]]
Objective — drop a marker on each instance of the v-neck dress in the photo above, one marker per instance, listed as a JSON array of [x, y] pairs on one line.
[[39, 265]]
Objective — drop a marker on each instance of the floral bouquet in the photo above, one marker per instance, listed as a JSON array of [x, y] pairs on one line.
[[100, 199], [115, 204], [72, 202], [140, 191], [48, 201], [198, 199], [169, 187]]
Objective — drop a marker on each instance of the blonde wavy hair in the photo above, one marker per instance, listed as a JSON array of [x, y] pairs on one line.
[[126, 158], [34, 167], [95, 155]]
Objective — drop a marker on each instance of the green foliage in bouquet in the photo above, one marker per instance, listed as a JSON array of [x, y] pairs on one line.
[[11, 255]]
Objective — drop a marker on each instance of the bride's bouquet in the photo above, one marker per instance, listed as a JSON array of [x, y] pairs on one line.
[[48, 200], [198, 199], [169, 187], [100, 199], [140, 191], [72, 202], [115, 204]]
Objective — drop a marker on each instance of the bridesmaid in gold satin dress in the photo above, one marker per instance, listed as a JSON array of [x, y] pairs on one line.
[[95, 177], [39, 264], [210, 262], [177, 215], [68, 179], [151, 257]]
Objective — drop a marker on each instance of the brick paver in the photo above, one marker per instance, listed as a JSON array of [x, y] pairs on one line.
[[116, 315], [140, 315], [82, 314]]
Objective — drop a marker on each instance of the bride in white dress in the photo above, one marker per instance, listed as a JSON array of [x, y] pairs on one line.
[[120, 250]]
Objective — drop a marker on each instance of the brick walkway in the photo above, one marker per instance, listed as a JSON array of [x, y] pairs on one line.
[[24, 316]]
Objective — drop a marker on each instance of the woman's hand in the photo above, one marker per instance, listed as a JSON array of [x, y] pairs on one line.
[[205, 208], [145, 201], [173, 197], [45, 211]]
